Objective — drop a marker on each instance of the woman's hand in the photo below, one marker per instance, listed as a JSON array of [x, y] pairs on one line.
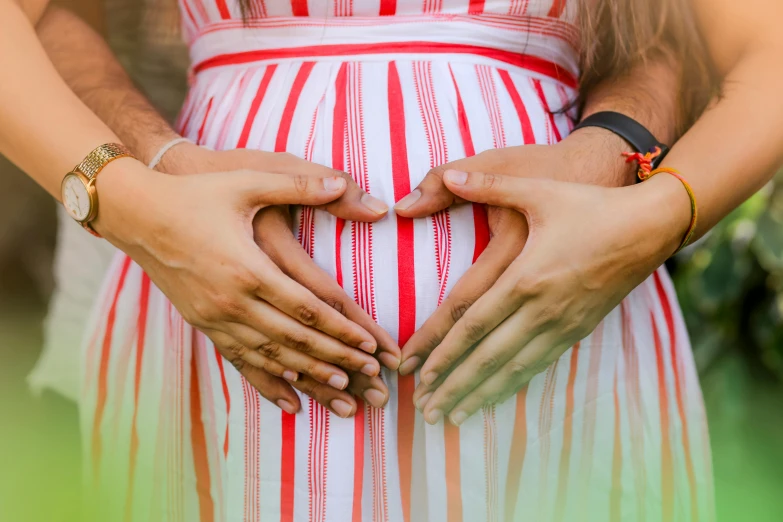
[[272, 227], [354, 204], [588, 248], [577, 155], [274, 236], [279, 391], [508, 231], [194, 236]]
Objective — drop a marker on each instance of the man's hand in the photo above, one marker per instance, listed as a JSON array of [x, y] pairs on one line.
[[589, 155], [565, 161]]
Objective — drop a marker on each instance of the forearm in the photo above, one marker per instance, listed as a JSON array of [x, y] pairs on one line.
[[91, 70], [648, 94], [45, 129], [737, 144]]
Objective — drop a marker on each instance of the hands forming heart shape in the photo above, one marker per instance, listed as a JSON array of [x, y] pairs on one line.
[[523, 303]]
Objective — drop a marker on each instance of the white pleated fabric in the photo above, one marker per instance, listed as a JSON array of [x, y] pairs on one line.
[[80, 262], [614, 431]]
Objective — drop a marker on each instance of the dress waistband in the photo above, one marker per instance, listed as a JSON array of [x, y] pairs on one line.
[[541, 45]]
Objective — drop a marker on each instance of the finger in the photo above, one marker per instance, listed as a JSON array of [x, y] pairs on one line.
[[249, 341], [523, 194], [491, 309], [535, 358], [266, 188], [430, 196], [338, 402], [424, 391], [296, 301], [355, 204], [372, 389], [489, 355], [276, 240], [237, 354], [274, 389], [496, 258], [287, 332]]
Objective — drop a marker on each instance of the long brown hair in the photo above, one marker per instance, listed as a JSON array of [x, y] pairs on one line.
[[618, 34]]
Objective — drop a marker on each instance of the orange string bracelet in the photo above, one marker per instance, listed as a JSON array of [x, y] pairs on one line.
[[644, 160], [646, 172], [694, 207]]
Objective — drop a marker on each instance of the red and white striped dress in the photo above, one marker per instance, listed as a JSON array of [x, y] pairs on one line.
[[385, 90]]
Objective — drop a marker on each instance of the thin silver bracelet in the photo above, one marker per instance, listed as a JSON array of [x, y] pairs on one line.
[[164, 149]]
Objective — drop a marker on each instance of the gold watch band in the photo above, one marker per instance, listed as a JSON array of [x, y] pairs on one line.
[[100, 157], [92, 165]]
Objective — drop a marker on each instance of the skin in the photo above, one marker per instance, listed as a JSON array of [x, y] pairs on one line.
[[195, 238], [99, 81], [590, 246], [102, 84], [91, 70], [587, 155]]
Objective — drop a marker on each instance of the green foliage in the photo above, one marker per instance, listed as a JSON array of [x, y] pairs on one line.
[[730, 285]]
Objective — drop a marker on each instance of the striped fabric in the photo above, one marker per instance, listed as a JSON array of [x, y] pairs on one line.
[[387, 89]]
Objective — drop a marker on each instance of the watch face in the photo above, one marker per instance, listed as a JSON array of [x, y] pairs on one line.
[[76, 198]]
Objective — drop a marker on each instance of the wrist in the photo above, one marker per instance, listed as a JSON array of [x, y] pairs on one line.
[[665, 211], [184, 158], [596, 154], [153, 143], [122, 187]]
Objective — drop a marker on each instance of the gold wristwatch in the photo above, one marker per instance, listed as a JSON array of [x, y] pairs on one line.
[[79, 196]]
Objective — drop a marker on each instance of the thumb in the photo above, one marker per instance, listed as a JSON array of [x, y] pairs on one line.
[[429, 197], [356, 204], [263, 189], [522, 194]]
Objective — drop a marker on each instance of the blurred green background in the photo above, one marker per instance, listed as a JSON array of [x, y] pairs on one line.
[[730, 286]]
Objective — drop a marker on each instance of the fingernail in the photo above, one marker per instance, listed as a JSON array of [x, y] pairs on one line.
[[333, 184], [370, 370], [430, 378], [456, 177], [368, 347], [408, 200], [291, 376], [286, 406], [376, 398], [341, 408], [423, 400], [434, 416], [410, 365], [338, 381], [458, 418], [389, 361], [374, 204]]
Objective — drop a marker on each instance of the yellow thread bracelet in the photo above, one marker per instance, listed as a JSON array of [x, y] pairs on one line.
[[643, 176]]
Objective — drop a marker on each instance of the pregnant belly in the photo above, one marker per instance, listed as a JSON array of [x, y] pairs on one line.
[[386, 123]]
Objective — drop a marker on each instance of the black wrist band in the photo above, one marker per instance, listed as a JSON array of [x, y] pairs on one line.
[[628, 129]]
